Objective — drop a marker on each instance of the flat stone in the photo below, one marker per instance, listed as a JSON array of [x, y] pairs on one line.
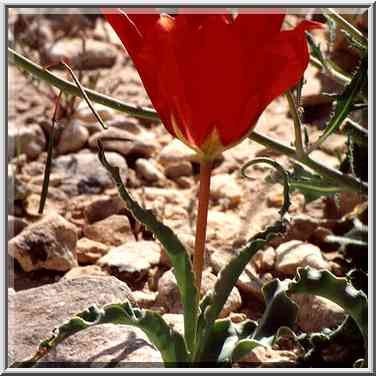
[[175, 320], [145, 299], [34, 313], [129, 144], [89, 251], [47, 244], [325, 159], [89, 56], [113, 230], [294, 254]]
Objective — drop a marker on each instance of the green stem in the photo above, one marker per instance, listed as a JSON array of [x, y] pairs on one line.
[[353, 31], [348, 182], [297, 125], [70, 88]]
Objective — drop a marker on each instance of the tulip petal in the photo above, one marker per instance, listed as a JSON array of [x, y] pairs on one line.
[[254, 26], [124, 28]]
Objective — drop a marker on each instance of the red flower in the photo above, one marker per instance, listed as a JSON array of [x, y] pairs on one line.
[[210, 76]]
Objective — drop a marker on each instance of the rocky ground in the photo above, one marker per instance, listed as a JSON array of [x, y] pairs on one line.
[[86, 248]]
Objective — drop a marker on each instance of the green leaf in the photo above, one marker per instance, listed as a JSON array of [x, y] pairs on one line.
[[175, 250], [213, 303], [344, 103], [168, 341], [280, 311], [224, 337], [339, 290], [311, 185]]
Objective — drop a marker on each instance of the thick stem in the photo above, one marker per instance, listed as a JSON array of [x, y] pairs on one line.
[[202, 218]]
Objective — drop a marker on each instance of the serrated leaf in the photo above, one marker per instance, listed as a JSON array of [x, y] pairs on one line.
[[175, 250], [167, 340], [310, 184], [344, 103], [325, 284]]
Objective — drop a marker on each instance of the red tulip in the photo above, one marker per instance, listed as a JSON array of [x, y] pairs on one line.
[[210, 76]]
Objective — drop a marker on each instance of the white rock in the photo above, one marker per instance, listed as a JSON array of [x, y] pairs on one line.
[[225, 186], [131, 261], [295, 253], [148, 170], [29, 140], [176, 152]]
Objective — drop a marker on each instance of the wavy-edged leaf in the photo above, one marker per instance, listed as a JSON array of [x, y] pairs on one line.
[[213, 303], [339, 290], [168, 341], [224, 337], [280, 311], [175, 250]]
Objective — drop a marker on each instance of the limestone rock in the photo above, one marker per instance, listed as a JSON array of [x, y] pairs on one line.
[[294, 254], [225, 187], [89, 251], [178, 170], [316, 313], [103, 207], [129, 144], [29, 140], [15, 225], [85, 271], [89, 56], [34, 313], [176, 152], [73, 138], [113, 230], [131, 261], [148, 171], [49, 244]]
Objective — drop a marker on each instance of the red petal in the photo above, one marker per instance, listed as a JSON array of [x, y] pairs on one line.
[[124, 28]]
